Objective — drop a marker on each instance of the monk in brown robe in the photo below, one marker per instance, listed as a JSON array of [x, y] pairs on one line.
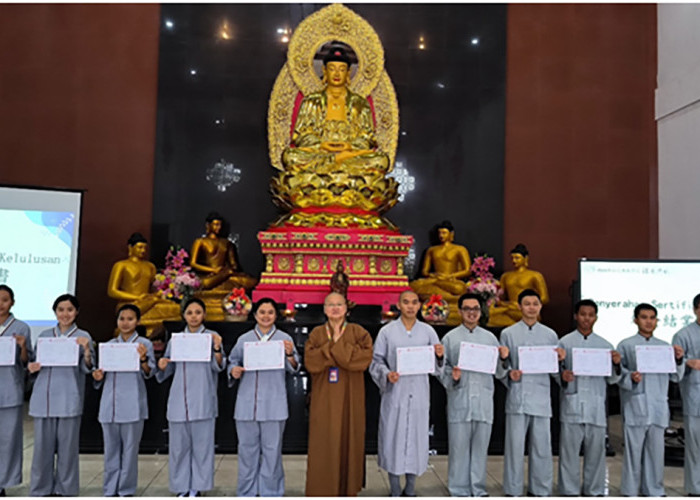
[[336, 355]]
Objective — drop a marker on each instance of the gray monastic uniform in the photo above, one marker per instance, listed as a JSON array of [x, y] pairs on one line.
[[57, 405], [689, 339], [645, 415], [192, 411], [469, 414], [261, 413], [528, 412], [11, 405], [123, 408], [405, 407], [583, 420]]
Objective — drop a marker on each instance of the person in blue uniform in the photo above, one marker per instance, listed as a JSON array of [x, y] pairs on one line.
[[688, 338], [124, 407], [192, 409], [582, 403], [405, 399], [261, 408], [57, 406], [645, 412], [528, 405], [12, 392]]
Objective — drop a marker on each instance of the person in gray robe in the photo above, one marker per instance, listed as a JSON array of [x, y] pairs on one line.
[[261, 408], [469, 402], [688, 338], [582, 404], [192, 409], [645, 412], [123, 408], [528, 404], [57, 406], [12, 392], [405, 399]]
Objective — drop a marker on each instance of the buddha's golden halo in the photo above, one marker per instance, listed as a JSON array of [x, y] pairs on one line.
[[335, 22]]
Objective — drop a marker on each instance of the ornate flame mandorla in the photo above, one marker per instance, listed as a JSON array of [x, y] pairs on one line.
[[334, 144]]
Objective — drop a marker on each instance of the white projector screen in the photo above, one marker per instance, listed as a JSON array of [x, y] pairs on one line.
[[38, 249], [618, 286]]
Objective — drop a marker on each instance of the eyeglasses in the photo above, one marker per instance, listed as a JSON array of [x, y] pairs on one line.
[[470, 309]]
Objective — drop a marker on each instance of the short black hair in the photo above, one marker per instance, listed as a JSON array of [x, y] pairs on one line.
[[446, 224], [521, 249], [264, 300], [696, 301], [8, 290], [528, 292], [70, 298], [644, 307], [193, 300], [130, 307], [212, 216], [585, 303], [136, 238], [469, 295]]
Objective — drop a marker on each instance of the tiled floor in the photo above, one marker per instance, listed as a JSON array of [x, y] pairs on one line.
[[153, 473]]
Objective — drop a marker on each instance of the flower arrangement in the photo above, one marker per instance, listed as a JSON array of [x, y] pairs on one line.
[[237, 304], [483, 282], [176, 281], [435, 309]]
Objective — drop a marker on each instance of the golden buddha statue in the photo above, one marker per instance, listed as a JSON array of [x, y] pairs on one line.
[[333, 171], [444, 270], [213, 258], [506, 311], [130, 283]]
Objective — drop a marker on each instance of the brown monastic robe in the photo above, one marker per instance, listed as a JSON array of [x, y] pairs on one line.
[[336, 455]]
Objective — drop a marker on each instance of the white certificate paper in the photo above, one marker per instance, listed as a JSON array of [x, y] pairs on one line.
[[538, 359], [263, 355], [415, 360], [591, 362], [57, 351], [190, 347], [119, 357], [477, 357], [8, 349], [655, 359]]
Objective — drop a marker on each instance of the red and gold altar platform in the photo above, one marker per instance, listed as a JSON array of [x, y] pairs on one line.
[[299, 263]]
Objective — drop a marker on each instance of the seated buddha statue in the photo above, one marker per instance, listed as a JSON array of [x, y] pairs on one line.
[[130, 283], [444, 270], [506, 311], [214, 259], [333, 159]]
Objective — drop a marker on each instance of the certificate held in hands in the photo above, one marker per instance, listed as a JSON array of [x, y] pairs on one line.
[[8, 350], [538, 359], [119, 357], [477, 358], [415, 360], [591, 362], [655, 359], [263, 355], [190, 347], [57, 351]]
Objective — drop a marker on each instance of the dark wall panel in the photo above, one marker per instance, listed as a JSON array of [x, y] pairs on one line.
[[580, 174], [78, 105]]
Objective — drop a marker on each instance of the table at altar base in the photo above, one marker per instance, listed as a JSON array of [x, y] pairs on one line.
[[299, 263]]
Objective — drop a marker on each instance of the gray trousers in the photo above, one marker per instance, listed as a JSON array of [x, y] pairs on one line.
[[121, 457], [643, 461], [260, 471], [11, 446], [540, 473], [191, 455], [468, 450], [55, 436], [593, 439], [691, 465]]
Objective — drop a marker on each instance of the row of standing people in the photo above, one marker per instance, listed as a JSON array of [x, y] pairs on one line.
[[336, 355]]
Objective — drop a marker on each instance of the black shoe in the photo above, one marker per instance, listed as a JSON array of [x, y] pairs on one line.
[[404, 494]]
